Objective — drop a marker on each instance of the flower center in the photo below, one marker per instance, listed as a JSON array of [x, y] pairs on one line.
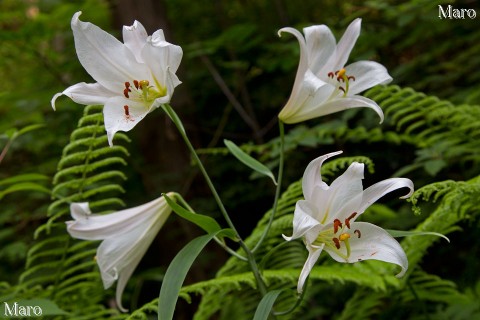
[[342, 77], [143, 91], [338, 237]]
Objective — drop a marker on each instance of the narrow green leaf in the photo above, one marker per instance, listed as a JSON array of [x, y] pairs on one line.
[[24, 186], [205, 222], [265, 306], [399, 233], [176, 273], [24, 177], [248, 160], [30, 128]]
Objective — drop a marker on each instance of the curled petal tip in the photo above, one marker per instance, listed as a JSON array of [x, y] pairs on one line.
[[409, 184], [380, 114], [133, 26], [75, 17], [286, 238], [285, 29], [54, 99], [110, 138], [401, 273]]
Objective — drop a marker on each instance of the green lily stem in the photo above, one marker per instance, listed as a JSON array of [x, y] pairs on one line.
[[217, 240], [297, 303], [279, 186], [251, 259], [180, 128]]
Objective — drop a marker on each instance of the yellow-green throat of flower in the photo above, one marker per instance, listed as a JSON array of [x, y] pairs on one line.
[[339, 234]]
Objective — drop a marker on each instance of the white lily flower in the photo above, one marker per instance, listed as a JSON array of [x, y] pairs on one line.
[[323, 83], [326, 218], [133, 78], [126, 236]]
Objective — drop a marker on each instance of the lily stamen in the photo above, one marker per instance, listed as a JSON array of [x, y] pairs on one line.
[[128, 117], [358, 233], [144, 84], [344, 238], [347, 221], [336, 223], [127, 90], [143, 90], [342, 76], [337, 242]]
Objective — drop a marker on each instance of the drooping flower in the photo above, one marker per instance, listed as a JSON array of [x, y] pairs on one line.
[[323, 83], [326, 218], [133, 78], [126, 236]]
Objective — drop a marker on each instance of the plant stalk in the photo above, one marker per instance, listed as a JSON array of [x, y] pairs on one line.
[[251, 259], [279, 186]]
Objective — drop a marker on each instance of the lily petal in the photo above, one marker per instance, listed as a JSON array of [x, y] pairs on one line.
[[120, 255], [126, 236], [345, 46], [379, 189], [374, 243], [303, 64], [320, 46], [135, 38], [85, 93], [80, 211], [345, 193], [89, 226], [341, 104], [313, 255], [312, 176], [308, 96], [370, 74], [304, 223], [104, 57], [173, 56], [116, 118], [162, 57]]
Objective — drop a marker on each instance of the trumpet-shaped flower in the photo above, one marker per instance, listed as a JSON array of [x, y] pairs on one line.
[[133, 77], [326, 218], [323, 83], [126, 236]]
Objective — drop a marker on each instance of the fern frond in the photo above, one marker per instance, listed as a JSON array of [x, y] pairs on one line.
[[429, 287], [364, 304], [63, 267]]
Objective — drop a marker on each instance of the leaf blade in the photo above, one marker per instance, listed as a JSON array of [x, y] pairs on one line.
[[248, 160], [265, 306], [207, 223], [176, 273], [399, 233]]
